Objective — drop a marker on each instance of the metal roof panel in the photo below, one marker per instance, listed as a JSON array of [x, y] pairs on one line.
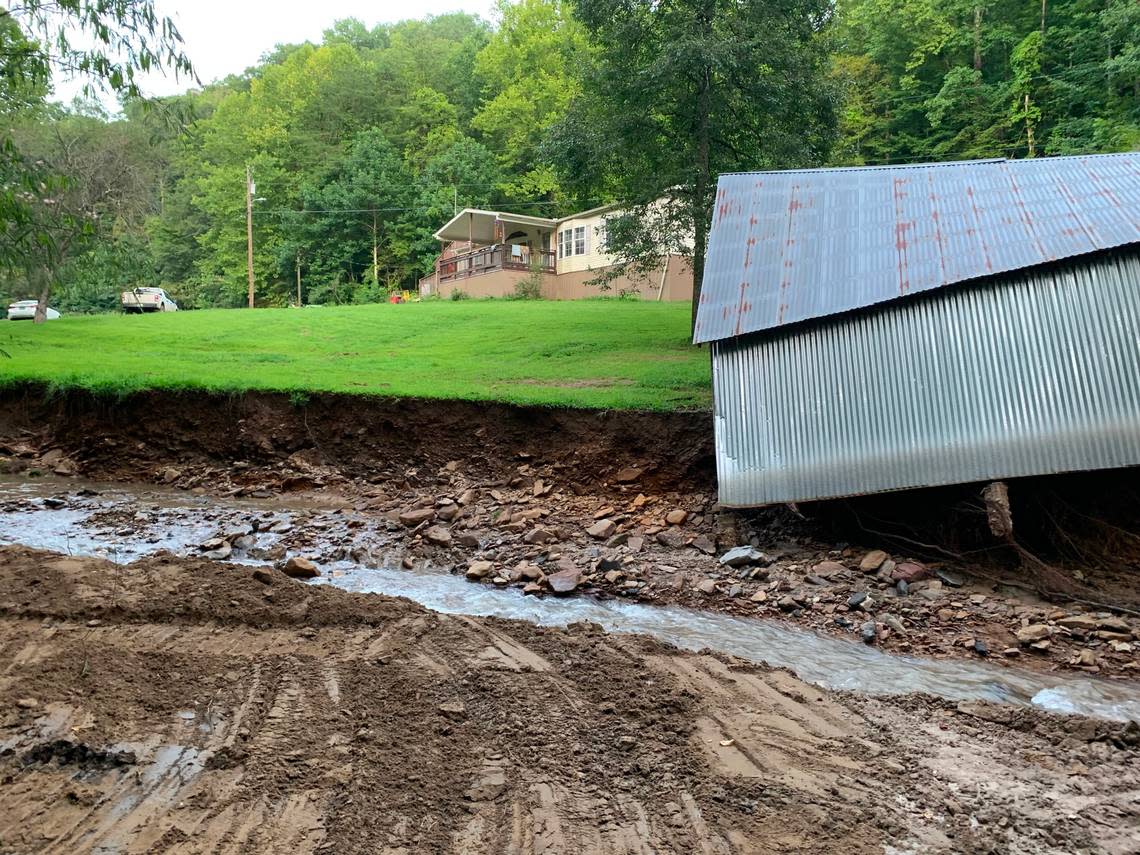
[[800, 244]]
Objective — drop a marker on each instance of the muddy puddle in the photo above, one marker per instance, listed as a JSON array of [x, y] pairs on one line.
[[122, 524]]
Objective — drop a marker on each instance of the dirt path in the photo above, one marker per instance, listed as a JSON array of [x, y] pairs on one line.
[[186, 706]]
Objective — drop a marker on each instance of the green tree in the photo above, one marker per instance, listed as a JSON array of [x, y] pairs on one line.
[[678, 92], [109, 44], [529, 72], [1027, 63], [981, 78], [465, 175], [437, 52], [352, 31], [354, 225], [427, 124]]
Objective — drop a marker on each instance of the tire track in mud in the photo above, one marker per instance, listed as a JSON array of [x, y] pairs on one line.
[[332, 722]]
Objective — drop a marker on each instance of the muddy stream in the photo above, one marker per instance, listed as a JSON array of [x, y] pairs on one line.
[[359, 553]]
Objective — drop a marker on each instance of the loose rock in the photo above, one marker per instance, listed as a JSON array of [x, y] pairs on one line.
[[539, 535], [1035, 632], [894, 623], [602, 529], [1085, 623], [951, 579], [703, 543], [51, 458], [564, 581], [828, 569], [910, 572], [739, 556], [415, 517], [529, 571], [872, 561], [221, 553], [300, 568], [477, 570]]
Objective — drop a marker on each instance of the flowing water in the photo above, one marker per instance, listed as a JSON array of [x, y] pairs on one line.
[[123, 524]]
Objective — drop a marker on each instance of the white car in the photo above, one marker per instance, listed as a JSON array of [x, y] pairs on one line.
[[147, 300], [25, 310]]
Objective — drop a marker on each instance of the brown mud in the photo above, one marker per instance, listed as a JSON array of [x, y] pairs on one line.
[[613, 503], [183, 705], [374, 439]]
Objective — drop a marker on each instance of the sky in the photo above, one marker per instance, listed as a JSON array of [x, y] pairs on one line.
[[228, 36]]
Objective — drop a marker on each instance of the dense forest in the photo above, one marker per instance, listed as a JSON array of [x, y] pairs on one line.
[[362, 145]]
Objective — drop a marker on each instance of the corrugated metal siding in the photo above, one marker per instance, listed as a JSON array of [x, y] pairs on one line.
[[1030, 373], [792, 246]]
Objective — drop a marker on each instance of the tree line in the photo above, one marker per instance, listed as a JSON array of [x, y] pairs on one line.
[[361, 145]]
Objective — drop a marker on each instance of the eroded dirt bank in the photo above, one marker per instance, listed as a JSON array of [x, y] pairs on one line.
[[571, 502], [179, 705], [381, 440]]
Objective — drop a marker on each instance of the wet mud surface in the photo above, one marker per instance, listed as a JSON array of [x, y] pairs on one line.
[[184, 705], [188, 695]]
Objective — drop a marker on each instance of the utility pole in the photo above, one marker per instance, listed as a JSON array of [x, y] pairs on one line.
[[298, 279], [375, 250], [249, 230]]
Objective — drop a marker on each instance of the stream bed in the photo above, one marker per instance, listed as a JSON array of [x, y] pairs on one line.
[[123, 523]]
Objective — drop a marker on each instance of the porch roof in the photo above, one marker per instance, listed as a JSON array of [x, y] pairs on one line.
[[478, 225]]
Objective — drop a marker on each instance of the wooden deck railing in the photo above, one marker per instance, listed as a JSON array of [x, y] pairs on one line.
[[496, 257]]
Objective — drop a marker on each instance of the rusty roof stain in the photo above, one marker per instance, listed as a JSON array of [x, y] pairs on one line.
[[801, 244]]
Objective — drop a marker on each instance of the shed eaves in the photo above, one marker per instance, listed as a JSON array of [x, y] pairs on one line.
[[795, 245]]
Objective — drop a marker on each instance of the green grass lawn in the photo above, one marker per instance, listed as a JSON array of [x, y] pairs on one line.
[[588, 353]]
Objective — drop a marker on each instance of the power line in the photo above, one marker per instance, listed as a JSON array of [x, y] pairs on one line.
[[416, 209]]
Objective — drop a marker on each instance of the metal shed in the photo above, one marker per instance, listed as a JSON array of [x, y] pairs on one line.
[[883, 328]]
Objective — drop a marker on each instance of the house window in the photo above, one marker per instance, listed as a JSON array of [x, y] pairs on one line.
[[574, 241]]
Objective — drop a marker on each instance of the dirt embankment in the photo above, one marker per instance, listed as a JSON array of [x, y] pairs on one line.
[[373, 439], [187, 706]]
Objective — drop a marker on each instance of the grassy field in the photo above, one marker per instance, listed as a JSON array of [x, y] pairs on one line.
[[591, 353]]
